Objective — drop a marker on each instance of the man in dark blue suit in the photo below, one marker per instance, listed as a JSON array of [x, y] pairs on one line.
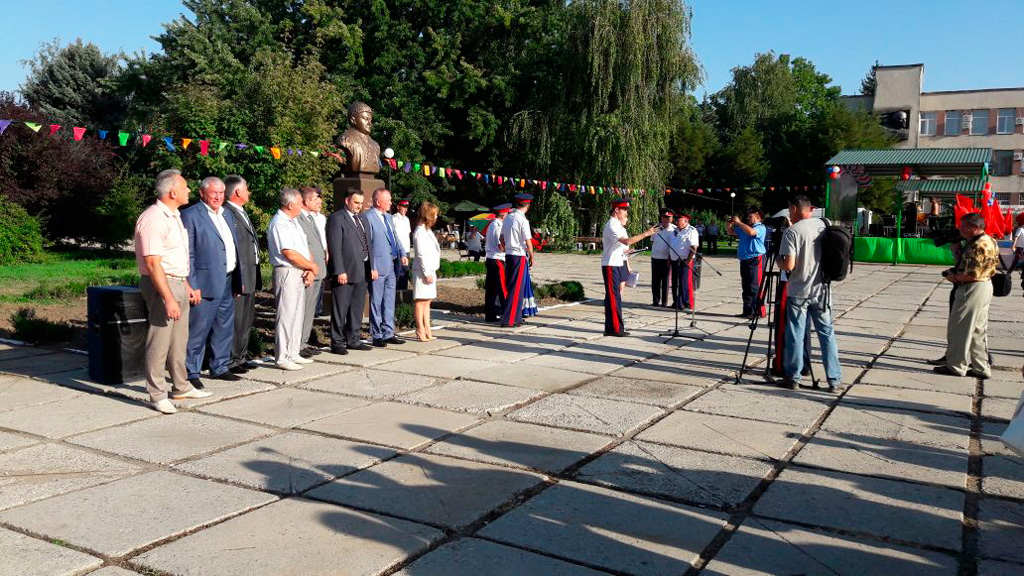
[[386, 255], [214, 274]]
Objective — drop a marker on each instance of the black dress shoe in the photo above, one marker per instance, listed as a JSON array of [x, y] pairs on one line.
[[975, 374], [240, 369], [617, 334], [227, 377], [938, 361], [361, 346], [339, 350], [946, 371], [308, 352], [787, 383], [196, 383], [395, 340], [380, 343]]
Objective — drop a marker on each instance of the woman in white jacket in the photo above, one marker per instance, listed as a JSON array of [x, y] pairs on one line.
[[424, 269]]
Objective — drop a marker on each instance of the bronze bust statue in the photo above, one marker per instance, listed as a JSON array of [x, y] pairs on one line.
[[362, 153]]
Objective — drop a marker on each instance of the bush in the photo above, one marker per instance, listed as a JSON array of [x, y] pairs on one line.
[[568, 291], [29, 328], [403, 316], [21, 235], [481, 283], [257, 345], [457, 269]]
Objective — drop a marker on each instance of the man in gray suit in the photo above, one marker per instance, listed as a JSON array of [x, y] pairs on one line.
[[318, 249], [386, 254], [236, 190], [347, 271]]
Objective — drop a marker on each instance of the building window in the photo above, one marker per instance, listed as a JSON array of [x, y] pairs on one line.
[[979, 122], [952, 127], [1002, 162], [928, 123], [1005, 120]]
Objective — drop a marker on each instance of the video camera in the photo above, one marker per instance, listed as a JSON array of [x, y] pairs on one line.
[[944, 236], [777, 225]]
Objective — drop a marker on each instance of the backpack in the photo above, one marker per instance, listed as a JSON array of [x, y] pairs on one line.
[[836, 252]]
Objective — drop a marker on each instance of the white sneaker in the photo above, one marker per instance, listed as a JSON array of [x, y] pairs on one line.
[[192, 394], [164, 406], [290, 366], [301, 360]]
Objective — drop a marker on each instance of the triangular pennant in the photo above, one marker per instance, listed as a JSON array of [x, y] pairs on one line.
[[204, 147], [103, 134], [122, 137], [54, 128], [185, 142], [168, 141], [259, 149], [291, 152], [458, 174], [275, 152], [487, 178], [241, 146], [299, 152], [145, 139], [544, 185], [221, 146], [315, 154], [407, 167], [445, 172], [4, 124], [78, 132], [33, 126]]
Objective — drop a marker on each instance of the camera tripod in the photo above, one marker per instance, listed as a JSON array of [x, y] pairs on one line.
[[675, 333], [769, 296]]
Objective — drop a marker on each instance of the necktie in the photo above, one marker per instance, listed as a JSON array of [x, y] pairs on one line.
[[391, 236], [362, 237]]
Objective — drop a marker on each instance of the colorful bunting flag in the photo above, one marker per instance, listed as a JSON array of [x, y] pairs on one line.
[[78, 132], [103, 134], [221, 146], [315, 154], [4, 124], [145, 139], [275, 152], [168, 141], [259, 149], [54, 128], [204, 147], [122, 137], [185, 142], [33, 126]]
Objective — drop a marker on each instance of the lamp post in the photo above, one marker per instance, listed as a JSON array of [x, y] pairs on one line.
[[389, 154], [732, 203]]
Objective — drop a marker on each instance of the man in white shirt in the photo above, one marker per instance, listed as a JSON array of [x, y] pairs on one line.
[[403, 229], [685, 242], [288, 250], [613, 264], [215, 275], [516, 239], [495, 289], [660, 263]]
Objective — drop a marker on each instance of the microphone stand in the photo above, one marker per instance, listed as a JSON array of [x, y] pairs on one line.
[[675, 333]]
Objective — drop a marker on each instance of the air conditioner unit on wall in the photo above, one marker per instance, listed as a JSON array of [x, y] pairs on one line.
[[1018, 156], [966, 122], [1020, 121]]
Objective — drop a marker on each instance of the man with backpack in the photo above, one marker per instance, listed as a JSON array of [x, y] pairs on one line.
[[800, 254]]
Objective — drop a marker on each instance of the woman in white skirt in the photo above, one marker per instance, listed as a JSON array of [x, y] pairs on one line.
[[424, 269]]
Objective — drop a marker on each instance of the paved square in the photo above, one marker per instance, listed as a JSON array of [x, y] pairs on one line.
[[285, 408], [392, 424]]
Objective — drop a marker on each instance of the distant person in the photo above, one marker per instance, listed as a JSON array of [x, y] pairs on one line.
[[751, 234], [614, 266], [515, 238], [403, 229], [495, 288], [685, 241], [316, 239], [294, 270], [474, 244], [162, 256], [712, 236], [213, 252], [348, 270], [661, 267], [424, 270], [806, 295], [386, 254]]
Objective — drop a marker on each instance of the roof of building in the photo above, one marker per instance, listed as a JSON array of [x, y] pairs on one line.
[[942, 185], [923, 161]]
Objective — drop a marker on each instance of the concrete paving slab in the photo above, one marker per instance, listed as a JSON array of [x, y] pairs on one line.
[[294, 536], [9, 441], [273, 375], [365, 359], [472, 557], [884, 458], [170, 438], [908, 399], [586, 414], [46, 470], [493, 351], [43, 364], [781, 407], [27, 556], [440, 366], [675, 371], [1001, 529], [586, 363], [113, 571], [371, 384], [643, 391], [440, 343], [13, 351], [136, 389], [991, 408], [473, 397], [724, 435], [997, 568], [677, 473], [526, 375], [928, 381], [602, 527], [285, 407], [288, 463], [538, 342], [910, 512], [74, 415], [431, 489], [926, 429], [17, 392], [121, 516], [550, 450], [392, 424], [995, 386], [762, 547], [607, 347], [1004, 476]]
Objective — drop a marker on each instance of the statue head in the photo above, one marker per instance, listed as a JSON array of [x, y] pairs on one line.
[[360, 117]]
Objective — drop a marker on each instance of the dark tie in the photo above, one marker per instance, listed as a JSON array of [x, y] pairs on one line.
[[362, 236]]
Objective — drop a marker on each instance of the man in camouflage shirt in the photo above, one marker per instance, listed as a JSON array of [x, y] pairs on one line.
[[966, 340]]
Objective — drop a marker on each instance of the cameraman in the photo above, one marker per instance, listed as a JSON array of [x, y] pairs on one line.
[[800, 256], [751, 251], [966, 339]]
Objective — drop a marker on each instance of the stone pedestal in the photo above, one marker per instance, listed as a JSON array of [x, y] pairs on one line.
[[342, 184]]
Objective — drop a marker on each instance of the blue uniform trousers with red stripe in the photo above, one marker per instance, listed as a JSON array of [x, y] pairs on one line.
[[751, 271], [515, 269], [682, 284], [613, 278], [494, 289]]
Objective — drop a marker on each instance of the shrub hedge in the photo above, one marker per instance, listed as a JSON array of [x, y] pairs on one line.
[[21, 235]]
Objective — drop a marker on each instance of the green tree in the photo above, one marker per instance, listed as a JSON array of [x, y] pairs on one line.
[[869, 83], [71, 85]]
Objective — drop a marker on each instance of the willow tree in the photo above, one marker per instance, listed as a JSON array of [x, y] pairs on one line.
[[604, 105]]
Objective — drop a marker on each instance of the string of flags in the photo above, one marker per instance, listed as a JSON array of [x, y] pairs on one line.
[[208, 146]]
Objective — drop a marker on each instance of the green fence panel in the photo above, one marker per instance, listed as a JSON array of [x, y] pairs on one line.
[[867, 249], [913, 251]]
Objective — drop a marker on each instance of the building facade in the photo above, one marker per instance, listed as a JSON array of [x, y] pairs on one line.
[[991, 118]]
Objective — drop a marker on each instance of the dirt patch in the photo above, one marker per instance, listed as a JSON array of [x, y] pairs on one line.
[[73, 312]]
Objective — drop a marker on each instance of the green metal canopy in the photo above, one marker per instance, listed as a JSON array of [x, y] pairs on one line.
[[943, 185], [923, 161]]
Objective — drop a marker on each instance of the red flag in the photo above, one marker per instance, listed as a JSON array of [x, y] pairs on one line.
[[145, 139], [54, 128], [79, 132], [204, 147]]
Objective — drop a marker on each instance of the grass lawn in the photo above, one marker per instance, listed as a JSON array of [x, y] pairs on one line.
[[64, 276]]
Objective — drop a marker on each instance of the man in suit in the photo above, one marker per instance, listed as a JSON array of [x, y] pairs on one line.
[[386, 252], [348, 243], [214, 274], [237, 192], [318, 250]]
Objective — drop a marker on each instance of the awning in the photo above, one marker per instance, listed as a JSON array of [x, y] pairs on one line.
[[943, 186], [467, 206], [923, 161]]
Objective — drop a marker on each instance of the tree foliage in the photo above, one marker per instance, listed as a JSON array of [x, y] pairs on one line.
[[72, 85]]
